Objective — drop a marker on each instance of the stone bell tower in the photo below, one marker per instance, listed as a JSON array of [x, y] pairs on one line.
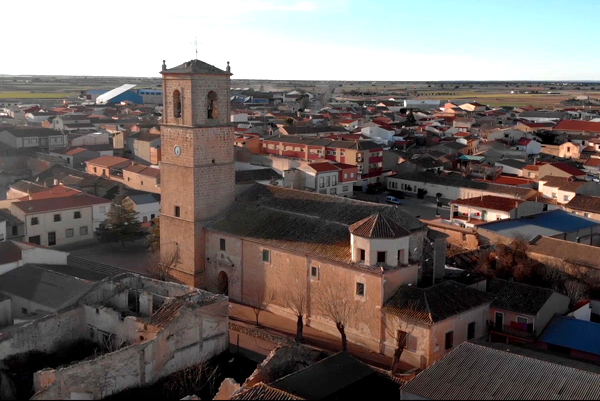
[[197, 168]]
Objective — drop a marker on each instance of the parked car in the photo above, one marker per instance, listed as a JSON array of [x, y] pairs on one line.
[[393, 199]]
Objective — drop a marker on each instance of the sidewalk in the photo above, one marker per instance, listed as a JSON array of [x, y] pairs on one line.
[[279, 325]]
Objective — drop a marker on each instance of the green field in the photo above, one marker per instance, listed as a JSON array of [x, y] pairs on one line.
[[36, 95]]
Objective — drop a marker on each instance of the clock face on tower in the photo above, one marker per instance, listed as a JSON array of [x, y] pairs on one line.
[[177, 150]]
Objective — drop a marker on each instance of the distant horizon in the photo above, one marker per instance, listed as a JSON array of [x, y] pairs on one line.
[[325, 40], [319, 80]]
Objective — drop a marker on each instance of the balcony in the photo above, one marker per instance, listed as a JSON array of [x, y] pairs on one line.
[[513, 331]]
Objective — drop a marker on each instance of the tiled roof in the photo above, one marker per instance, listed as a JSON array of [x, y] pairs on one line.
[[11, 220], [21, 132], [312, 130], [249, 176], [592, 162], [143, 170], [567, 168], [323, 167], [108, 161], [27, 186], [562, 183], [575, 125], [261, 391], [194, 67], [437, 303], [585, 203], [490, 202], [59, 191], [9, 252], [378, 226], [302, 221], [43, 287], [425, 177], [518, 297], [504, 372], [52, 204], [571, 252]]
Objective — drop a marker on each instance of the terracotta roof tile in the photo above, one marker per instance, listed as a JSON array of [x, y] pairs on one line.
[[108, 161], [576, 125], [490, 202], [378, 226], [261, 391], [51, 204], [585, 203]]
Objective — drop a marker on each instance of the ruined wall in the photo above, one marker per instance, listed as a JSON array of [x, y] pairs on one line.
[[45, 334]]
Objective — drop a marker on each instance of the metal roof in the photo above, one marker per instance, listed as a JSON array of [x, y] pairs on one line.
[[547, 224], [572, 333], [106, 97], [498, 372]]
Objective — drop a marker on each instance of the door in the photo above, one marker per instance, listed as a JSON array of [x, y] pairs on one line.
[[52, 238], [499, 321], [484, 215]]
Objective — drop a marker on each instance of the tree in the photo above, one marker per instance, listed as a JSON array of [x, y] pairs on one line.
[[332, 301], [260, 302], [289, 122], [159, 264], [509, 261], [121, 224], [400, 331], [293, 295], [153, 239]]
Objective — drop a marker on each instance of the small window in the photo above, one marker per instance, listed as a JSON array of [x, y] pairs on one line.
[[152, 216], [449, 340], [222, 244], [584, 215], [35, 221], [345, 175], [266, 255], [102, 209], [57, 217], [360, 289], [362, 255], [15, 230], [176, 104], [69, 232], [566, 198], [145, 219], [24, 311], [314, 272], [471, 331], [141, 182], [381, 257], [554, 195], [83, 230], [95, 170], [177, 211], [77, 215], [522, 320]]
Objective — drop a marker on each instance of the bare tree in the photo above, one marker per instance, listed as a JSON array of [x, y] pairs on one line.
[[160, 263], [332, 301], [399, 330], [294, 296], [260, 302]]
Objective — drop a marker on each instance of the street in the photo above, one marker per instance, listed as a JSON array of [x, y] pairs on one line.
[[421, 208]]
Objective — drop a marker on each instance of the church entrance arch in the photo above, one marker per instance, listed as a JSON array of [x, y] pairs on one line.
[[223, 283]]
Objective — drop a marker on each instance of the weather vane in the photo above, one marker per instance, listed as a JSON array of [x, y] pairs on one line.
[[196, 44]]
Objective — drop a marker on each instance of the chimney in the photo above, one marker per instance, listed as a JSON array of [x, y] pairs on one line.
[[55, 181], [164, 65]]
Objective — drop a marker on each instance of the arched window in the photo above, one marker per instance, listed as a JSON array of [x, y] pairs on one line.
[[212, 105], [177, 104]]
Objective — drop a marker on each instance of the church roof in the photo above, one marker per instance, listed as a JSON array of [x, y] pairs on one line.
[[302, 221], [194, 67], [378, 226]]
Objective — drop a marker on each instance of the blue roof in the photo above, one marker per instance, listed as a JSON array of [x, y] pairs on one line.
[[548, 224], [472, 158], [573, 333]]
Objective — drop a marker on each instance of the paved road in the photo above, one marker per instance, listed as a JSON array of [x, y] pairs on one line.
[[421, 208]]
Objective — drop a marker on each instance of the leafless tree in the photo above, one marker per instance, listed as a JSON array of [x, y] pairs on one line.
[[399, 330], [160, 263], [193, 379], [332, 301], [293, 295], [260, 302], [575, 290]]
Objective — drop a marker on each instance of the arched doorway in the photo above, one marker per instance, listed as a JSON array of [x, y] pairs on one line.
[[223, 283]]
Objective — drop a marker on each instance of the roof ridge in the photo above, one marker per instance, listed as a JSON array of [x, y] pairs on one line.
[[427, 306]]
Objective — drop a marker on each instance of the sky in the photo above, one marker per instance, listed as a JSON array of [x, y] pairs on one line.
[[375, 40]]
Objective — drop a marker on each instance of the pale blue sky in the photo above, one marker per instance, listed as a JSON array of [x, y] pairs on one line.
[[306, 39]]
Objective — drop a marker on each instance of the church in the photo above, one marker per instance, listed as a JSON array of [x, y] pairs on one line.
[[269, 240]]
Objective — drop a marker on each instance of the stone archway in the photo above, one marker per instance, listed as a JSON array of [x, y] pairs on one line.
[[223, 283]]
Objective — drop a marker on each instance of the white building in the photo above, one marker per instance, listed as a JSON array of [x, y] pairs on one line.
[[2, 229], [330, 178], [146, 205], [59, 221], [45, 138], [470, 212], [378, 134], [15, 254]]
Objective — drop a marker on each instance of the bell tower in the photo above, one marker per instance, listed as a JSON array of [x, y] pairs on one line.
[[197, 168]]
